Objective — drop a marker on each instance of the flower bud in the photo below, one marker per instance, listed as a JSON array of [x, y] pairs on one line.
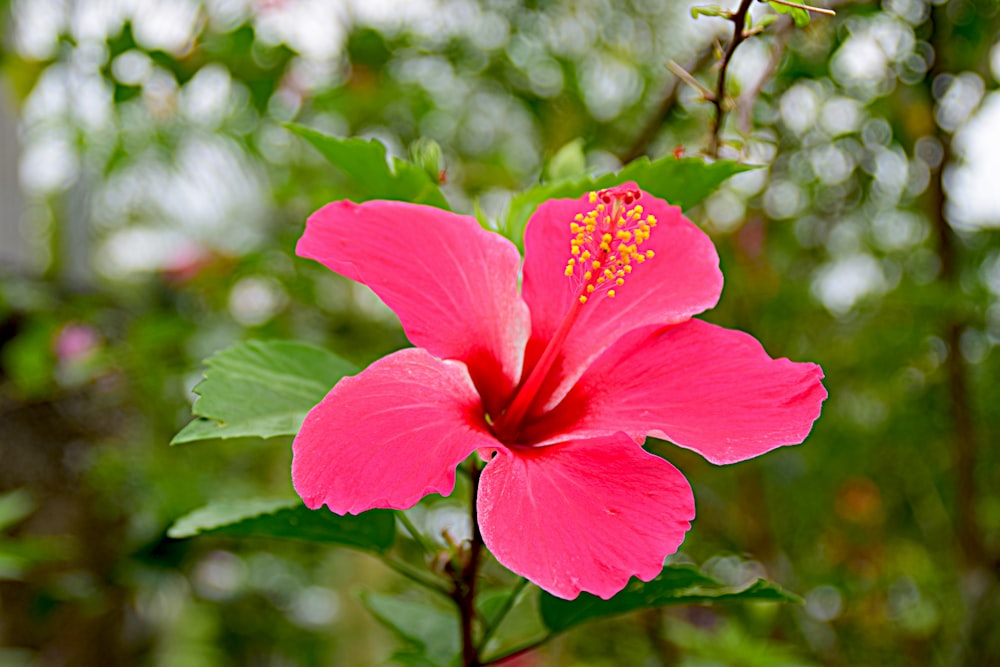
[[426, 154]]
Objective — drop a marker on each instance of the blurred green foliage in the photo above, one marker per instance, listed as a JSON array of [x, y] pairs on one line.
[[165, 191]]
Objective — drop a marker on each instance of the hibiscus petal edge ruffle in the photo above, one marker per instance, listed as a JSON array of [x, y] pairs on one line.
[[583, 515], [713, 390]]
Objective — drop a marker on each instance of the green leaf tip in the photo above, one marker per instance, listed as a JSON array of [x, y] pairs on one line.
[[261, 389], [288, 518], [676, 585], [799, 15], [224, 513], [365, 172]]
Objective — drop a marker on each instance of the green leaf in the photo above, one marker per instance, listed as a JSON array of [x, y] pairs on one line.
[[15, 506], [261, 389], [426, 154], [711, 10], [430, 632], [365, 172], [28, 360], [19, 554], [520, 624], [683, 182], [677, 584], [800, 16], [288, 519], [727, 643]]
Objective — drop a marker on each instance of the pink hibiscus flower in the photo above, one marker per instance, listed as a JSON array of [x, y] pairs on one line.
[[556, 385]]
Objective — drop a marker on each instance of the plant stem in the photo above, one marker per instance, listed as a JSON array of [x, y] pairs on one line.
[[415, 534], [416, 576], [507, 606], [464, 590], [738, 18], [965, 447], [685, 76]]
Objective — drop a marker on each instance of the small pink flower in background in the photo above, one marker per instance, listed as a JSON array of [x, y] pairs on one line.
[[193, 265], [75, 343], [186, 263], [556, 385]]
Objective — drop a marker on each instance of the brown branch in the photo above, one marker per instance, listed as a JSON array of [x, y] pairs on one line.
[[717, 98], [739, 18], [464, 592], [964, 446], [781, 32]]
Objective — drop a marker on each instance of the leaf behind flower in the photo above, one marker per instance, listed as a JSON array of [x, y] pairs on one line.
[[676, 585], [288, 518], [261, 389], [684, 182], [366, 173], [430, 632]]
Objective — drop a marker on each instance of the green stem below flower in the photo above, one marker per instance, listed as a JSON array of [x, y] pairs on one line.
[[415, 534], [508, 604], [416, 576]]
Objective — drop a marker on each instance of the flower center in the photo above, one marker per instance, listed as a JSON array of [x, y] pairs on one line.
[[605, 244], [604, 248]]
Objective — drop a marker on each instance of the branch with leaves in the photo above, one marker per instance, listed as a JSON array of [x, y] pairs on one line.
[[743, 29]]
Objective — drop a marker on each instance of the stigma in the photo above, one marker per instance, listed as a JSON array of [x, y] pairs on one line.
[[605, 242]]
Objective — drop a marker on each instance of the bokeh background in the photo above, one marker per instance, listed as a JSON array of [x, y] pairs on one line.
[[150, 198]]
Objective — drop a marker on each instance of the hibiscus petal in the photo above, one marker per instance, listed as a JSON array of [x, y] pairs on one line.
[[389, 436], [452, 283], [681, 280], [706, 388], [584, 515]]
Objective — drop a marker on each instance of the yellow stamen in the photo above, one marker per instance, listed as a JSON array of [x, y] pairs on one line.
[[606, 240]]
